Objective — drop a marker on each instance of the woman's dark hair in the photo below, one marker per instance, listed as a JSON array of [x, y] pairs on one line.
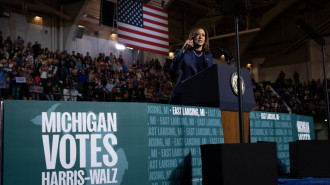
[[193, 33]]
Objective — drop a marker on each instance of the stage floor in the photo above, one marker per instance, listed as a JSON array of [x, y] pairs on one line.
[[309, 181]]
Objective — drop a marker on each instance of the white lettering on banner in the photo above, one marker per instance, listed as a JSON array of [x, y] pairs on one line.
[[91, 126], [110, 150], [63, 133], [50, 155], [269, 116], [63, 151], [66, 127], [176, 110], [190, 111], [82, 148], [76, 177], [63, 177], [187, 111], [303, 130], [61, 146], [303, 126], [103, 176], [78, 122], [94, 150], [304, 137]]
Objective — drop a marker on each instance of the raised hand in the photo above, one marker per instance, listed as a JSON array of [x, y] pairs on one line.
[[188, 44]]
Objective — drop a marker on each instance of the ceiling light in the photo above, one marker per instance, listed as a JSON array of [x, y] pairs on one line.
[[222, 57]]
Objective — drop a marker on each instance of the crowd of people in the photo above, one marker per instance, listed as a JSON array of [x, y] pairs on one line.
[[305, 98], [267, 99], [31, 72], [287, 95]]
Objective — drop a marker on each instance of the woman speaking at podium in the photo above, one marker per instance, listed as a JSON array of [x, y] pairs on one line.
[[191, 59]]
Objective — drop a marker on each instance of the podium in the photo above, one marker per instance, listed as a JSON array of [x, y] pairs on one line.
[[213, 88], [232, 162]]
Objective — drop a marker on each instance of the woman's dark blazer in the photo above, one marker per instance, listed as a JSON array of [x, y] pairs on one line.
[[186, 64]]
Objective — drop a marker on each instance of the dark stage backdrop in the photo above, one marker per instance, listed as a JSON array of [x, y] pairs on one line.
[[282, 129]]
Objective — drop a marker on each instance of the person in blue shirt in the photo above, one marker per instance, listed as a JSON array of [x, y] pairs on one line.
[[82, 78], [191, 59], [124, 67], [108, 90]]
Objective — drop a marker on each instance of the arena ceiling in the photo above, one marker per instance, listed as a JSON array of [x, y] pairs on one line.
[[268, 33]]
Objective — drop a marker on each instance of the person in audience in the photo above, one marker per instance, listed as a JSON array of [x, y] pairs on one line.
[[99, 89], [82, 77], [48, 91], [6, 91], [74, 93], [108, 90], [124, 67], [87, 57], [35, 49], [57, 92], [91, 93], [19, 43], [66, 89], [8, 43], [1, 39], [16, 86]]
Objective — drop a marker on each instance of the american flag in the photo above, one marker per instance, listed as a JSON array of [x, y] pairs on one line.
[[142, 26]]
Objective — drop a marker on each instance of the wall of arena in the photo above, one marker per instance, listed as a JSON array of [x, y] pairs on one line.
[[308, 70], [63, 38]]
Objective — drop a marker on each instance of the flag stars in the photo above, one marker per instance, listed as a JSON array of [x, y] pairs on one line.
[[130, 12]]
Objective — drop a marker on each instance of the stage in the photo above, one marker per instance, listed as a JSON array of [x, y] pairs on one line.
[[308, 180]]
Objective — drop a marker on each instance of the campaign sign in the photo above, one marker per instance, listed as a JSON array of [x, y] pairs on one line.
[[87, 143]]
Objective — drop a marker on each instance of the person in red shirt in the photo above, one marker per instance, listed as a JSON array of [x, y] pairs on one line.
[[101, 64]]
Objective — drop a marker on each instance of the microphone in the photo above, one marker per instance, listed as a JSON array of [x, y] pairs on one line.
[[228, 56]]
